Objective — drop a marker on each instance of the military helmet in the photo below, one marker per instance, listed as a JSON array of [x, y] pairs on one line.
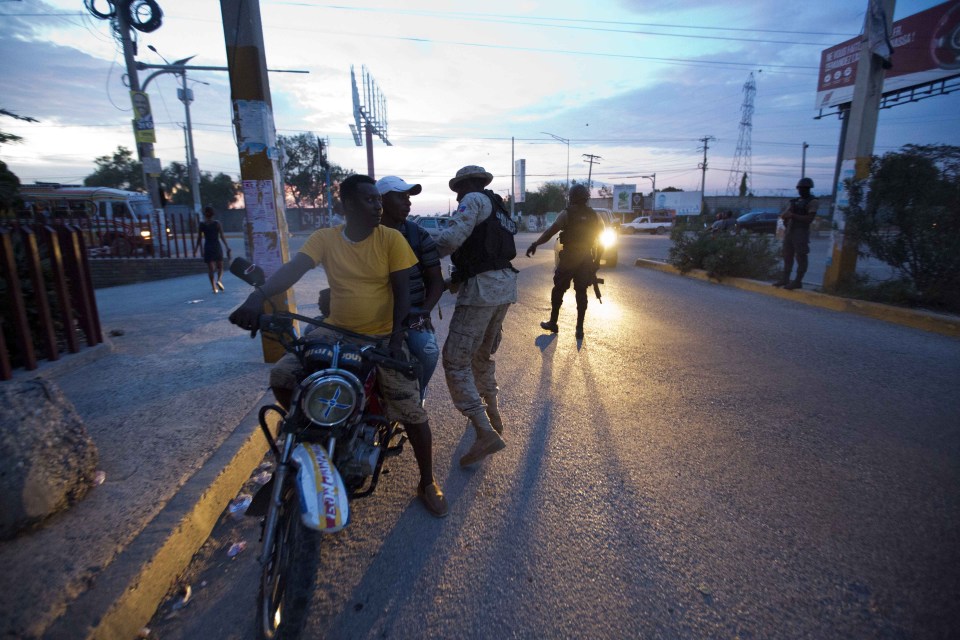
[[579, 194], [805, 182]]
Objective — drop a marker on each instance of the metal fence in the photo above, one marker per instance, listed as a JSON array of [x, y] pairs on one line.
[[47, 304]]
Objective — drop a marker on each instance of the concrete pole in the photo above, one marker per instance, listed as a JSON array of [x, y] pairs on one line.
[[144, 149], [513, 179], [263, 186], [857, 151], [193, 167]]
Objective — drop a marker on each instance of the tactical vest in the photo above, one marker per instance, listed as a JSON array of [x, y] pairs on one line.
[[799, 206], [582, 229], [489, 247]]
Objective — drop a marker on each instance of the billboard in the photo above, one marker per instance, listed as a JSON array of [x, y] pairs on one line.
[[682, 203], [520, 180], [926, 48], [623, 197]]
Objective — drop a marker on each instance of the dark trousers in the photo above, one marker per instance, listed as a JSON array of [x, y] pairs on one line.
[[796, 244], [578, 267]]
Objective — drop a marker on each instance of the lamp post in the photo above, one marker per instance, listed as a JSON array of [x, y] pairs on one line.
[[185, 95], [567, 142], [653, 177]]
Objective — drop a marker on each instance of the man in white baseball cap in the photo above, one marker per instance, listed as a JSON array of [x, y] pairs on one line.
[[426, 287]]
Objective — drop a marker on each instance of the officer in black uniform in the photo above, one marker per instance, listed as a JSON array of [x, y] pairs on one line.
[[579, 228], [796, 243]]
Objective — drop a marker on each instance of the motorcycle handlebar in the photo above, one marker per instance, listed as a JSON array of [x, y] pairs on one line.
[[283, 322]]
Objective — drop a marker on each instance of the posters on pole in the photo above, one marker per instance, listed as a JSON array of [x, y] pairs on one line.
[[143, 130], [258, 197], [623, 196]]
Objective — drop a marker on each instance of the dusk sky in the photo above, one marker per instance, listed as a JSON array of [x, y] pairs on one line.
[[636, 83]]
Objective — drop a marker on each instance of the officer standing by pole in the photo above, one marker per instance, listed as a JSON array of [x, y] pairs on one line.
[[579, 228], [797, 218]]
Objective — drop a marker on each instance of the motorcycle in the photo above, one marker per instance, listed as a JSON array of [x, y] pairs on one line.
[[329, 450]]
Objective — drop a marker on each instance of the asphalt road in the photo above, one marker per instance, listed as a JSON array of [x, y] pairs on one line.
[[708, 463]]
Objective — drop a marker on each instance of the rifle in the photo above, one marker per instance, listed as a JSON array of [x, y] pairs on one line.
[[597, 282]]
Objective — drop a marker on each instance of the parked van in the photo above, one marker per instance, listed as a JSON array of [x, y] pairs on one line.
[[124, 222]]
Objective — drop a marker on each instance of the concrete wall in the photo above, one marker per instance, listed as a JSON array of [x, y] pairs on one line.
[[111, 272]]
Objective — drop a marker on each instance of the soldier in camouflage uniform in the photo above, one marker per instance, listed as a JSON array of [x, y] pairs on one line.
[[796, 243], [481, 243]]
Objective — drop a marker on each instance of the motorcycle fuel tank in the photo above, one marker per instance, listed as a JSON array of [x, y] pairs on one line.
[[323, 498]]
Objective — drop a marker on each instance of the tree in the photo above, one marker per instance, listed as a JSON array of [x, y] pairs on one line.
[[743, 185], [605, 191], [551, 196], [306, 171], [9, 182], [218, 191], [119, 171], [910, 218]]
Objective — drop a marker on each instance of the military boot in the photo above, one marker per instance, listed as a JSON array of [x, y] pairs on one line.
[[487, 442], [493, 412], [783, 281], [581, 314], [551, 324], [796, 284]]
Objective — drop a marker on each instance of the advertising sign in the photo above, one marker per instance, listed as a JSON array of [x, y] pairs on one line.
[[682, 203], [637, 202], [623, 197], [520, 180], [926, 48], [142, 117]]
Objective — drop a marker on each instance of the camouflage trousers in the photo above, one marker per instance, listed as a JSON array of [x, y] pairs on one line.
[[470, 370]]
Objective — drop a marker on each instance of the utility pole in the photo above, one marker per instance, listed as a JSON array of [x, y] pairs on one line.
[[861, 130], [591, 159], [151, 166], [653, 194], [703, 167], [263, 187], [803, 161]]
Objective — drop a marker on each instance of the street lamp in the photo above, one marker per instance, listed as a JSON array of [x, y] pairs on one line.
[[185, 95], [653, 177], [567, 142]]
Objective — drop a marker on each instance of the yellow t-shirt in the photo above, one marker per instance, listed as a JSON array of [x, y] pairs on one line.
[[361, 298]]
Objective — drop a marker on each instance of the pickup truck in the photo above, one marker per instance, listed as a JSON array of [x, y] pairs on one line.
[[647, 224]]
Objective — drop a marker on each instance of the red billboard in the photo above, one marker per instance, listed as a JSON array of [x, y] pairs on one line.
[[926, 48]]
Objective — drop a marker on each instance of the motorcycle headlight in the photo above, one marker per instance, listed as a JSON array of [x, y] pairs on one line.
[[608, 238], [329, 398]]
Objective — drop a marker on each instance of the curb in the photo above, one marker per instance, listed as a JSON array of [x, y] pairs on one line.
[[125, 597], [916, 319]]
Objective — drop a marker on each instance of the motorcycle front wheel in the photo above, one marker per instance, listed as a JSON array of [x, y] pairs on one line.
[[286, 579]]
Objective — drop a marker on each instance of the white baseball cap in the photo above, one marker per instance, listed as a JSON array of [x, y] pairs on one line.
[[393, 183]]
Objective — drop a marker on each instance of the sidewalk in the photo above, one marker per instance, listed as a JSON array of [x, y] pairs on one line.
[[171, 406]]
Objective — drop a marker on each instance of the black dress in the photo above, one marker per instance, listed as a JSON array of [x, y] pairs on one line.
[[212, 250]]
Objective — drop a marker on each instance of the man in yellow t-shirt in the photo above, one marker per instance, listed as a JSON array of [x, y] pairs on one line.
[[367, 267]]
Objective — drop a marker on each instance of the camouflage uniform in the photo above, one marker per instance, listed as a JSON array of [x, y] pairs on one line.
[[476, 326]]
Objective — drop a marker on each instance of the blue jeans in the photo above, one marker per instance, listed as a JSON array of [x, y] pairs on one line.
[[423, 346]]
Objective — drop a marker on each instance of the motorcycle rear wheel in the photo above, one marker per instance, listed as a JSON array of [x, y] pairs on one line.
[[286, 579]]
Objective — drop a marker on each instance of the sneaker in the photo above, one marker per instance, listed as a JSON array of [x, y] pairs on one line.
[[433, 499], [220, 286], [796, 284], [489, 442], [550, 326]]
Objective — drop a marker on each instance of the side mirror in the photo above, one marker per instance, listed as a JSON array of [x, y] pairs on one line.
[[248, 272]]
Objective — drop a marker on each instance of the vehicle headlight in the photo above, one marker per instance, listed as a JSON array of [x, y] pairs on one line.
[[144, 234], [608, 238], [328, 398]]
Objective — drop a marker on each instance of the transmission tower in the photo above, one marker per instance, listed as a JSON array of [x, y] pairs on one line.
[[741, 159]]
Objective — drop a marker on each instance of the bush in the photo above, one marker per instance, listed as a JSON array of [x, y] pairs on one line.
[[724, 255], [908, 215]]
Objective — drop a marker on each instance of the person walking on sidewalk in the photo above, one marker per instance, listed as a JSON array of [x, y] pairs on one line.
[[797, 218], [426, 279], [210, 234], [480, 244], [579, 228], [367, 266]]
